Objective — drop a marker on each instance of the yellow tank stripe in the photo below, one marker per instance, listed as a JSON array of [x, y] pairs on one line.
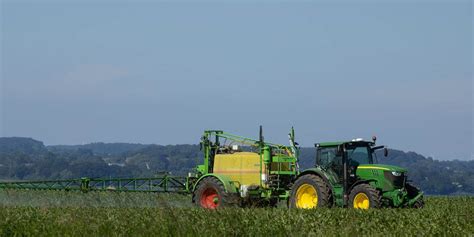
[[236, 171]]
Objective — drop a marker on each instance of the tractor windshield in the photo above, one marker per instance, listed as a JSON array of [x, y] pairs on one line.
[[358, 155]]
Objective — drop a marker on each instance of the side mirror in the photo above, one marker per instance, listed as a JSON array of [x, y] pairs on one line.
[[385, 152]]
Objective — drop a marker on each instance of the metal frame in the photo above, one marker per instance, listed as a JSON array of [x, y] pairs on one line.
[[155, 184]]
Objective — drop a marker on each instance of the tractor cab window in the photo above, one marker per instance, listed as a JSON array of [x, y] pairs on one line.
[[358, 155], [328, 157]]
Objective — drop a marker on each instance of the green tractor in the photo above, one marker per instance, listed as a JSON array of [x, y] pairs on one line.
[[346, 174]]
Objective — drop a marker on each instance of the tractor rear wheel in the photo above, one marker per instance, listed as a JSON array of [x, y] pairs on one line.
[[364, 196], [309, 191], [210, 194]]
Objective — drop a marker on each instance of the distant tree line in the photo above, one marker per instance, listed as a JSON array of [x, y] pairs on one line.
[[26, 158]]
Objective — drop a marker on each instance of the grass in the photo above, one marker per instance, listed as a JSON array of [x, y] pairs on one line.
[[53, 213]]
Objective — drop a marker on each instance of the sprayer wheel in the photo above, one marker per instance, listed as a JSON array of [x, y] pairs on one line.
[[211, 194]]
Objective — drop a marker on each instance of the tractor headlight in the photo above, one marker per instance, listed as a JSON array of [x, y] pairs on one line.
[[396, 173]]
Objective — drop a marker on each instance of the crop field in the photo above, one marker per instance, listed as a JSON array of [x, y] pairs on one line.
[[56, 213]]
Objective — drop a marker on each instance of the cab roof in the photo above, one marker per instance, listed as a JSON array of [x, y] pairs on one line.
[[337, 143]]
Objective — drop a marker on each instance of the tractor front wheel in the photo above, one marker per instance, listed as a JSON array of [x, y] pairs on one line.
[[364, 196], [309, 191], [413, 191], [210, 194], [418, 204]]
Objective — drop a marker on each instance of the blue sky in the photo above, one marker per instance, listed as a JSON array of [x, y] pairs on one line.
[[161, 72]]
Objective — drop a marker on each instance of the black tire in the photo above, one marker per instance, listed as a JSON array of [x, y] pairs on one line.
[[418, 204], [211, 187], [321, 187], [412, 192], [373, 195]]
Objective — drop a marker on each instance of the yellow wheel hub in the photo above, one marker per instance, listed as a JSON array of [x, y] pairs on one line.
[[361, 201], [306, 197]]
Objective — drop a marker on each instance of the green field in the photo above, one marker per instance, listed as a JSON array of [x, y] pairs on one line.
[[55, 213]]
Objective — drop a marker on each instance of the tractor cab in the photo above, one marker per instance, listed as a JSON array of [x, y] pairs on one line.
[[335, 157]]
